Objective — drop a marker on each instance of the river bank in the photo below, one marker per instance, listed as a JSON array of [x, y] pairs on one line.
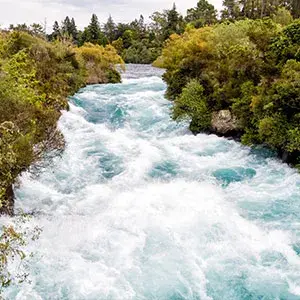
[[36, 78], [138, 207]]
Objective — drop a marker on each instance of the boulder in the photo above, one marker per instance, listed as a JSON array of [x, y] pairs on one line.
[[224, 122]]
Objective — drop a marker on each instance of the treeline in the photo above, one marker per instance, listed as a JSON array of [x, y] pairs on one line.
[[136, 42], [36, 77], [248, 68], [140, 41]]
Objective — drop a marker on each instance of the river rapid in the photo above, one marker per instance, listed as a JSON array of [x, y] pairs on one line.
[[139, 208]]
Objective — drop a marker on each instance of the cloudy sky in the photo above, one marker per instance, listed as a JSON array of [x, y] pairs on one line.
[[37, 11]]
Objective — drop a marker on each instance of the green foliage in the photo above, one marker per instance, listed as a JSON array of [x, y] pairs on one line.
[[272, 131], [254, 9], [231, 10], [191, 103], [110, 29], [287, 45], [174, 22], [241, 106], [293, 136], [136, 42], [100, 63], [36, 77], [34, 29], [282, 16], [139, 42], [93, 33], [250, 67], [143, 52], [203, 14]]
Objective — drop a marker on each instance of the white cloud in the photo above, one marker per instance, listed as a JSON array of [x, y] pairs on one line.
[[37, 11]]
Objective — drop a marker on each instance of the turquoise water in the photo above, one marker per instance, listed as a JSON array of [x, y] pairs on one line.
[[139, 208]]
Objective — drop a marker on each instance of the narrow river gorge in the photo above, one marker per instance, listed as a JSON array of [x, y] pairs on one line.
[[139, 208]]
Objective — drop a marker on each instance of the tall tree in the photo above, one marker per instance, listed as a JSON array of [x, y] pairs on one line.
[[175, 23], [73, 30], [56, 33], [231, 10], [65, 26], [142, 27], [158, 24], [203, 14], [93, 33], [94, 30], [110, 29]]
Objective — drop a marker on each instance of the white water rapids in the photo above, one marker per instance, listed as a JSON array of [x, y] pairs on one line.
[[139, 208]]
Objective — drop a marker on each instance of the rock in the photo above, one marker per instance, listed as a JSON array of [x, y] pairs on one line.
[[224, 122], [8, 202]]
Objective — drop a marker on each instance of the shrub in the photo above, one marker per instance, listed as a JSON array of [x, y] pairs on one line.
[[191, 104], [36, 77], [250, 67]]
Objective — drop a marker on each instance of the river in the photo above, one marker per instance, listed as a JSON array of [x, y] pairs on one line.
[[139, 208]]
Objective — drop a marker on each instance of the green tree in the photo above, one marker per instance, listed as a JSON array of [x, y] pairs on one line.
[[69, 29], [73, 30], [192, 104], [231, 10], [56, 33], [37, 30], [127, 38], [95, 35], [66, 26], [158, 25], [203, 14], [175, 23], [118, 45], [110, 29], [142, 28]]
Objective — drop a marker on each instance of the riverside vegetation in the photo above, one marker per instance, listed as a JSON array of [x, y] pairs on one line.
[[249, 68], [247, 62], [35, 79]]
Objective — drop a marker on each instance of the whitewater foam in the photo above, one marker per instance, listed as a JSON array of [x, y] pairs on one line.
[[139, 208]]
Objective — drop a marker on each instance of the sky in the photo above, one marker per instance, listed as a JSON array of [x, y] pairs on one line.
[[47, 11]]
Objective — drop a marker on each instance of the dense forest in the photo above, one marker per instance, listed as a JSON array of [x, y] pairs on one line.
[[247, 69], [141, 41]]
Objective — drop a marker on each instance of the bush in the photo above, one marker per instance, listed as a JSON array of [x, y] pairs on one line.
[[99, 63], [250, 67], [36, 77], [191, 104]]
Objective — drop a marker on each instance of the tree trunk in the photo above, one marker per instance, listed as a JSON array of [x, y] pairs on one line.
[[262, 9]]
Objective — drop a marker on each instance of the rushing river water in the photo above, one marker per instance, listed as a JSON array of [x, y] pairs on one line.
[[139, 208]]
